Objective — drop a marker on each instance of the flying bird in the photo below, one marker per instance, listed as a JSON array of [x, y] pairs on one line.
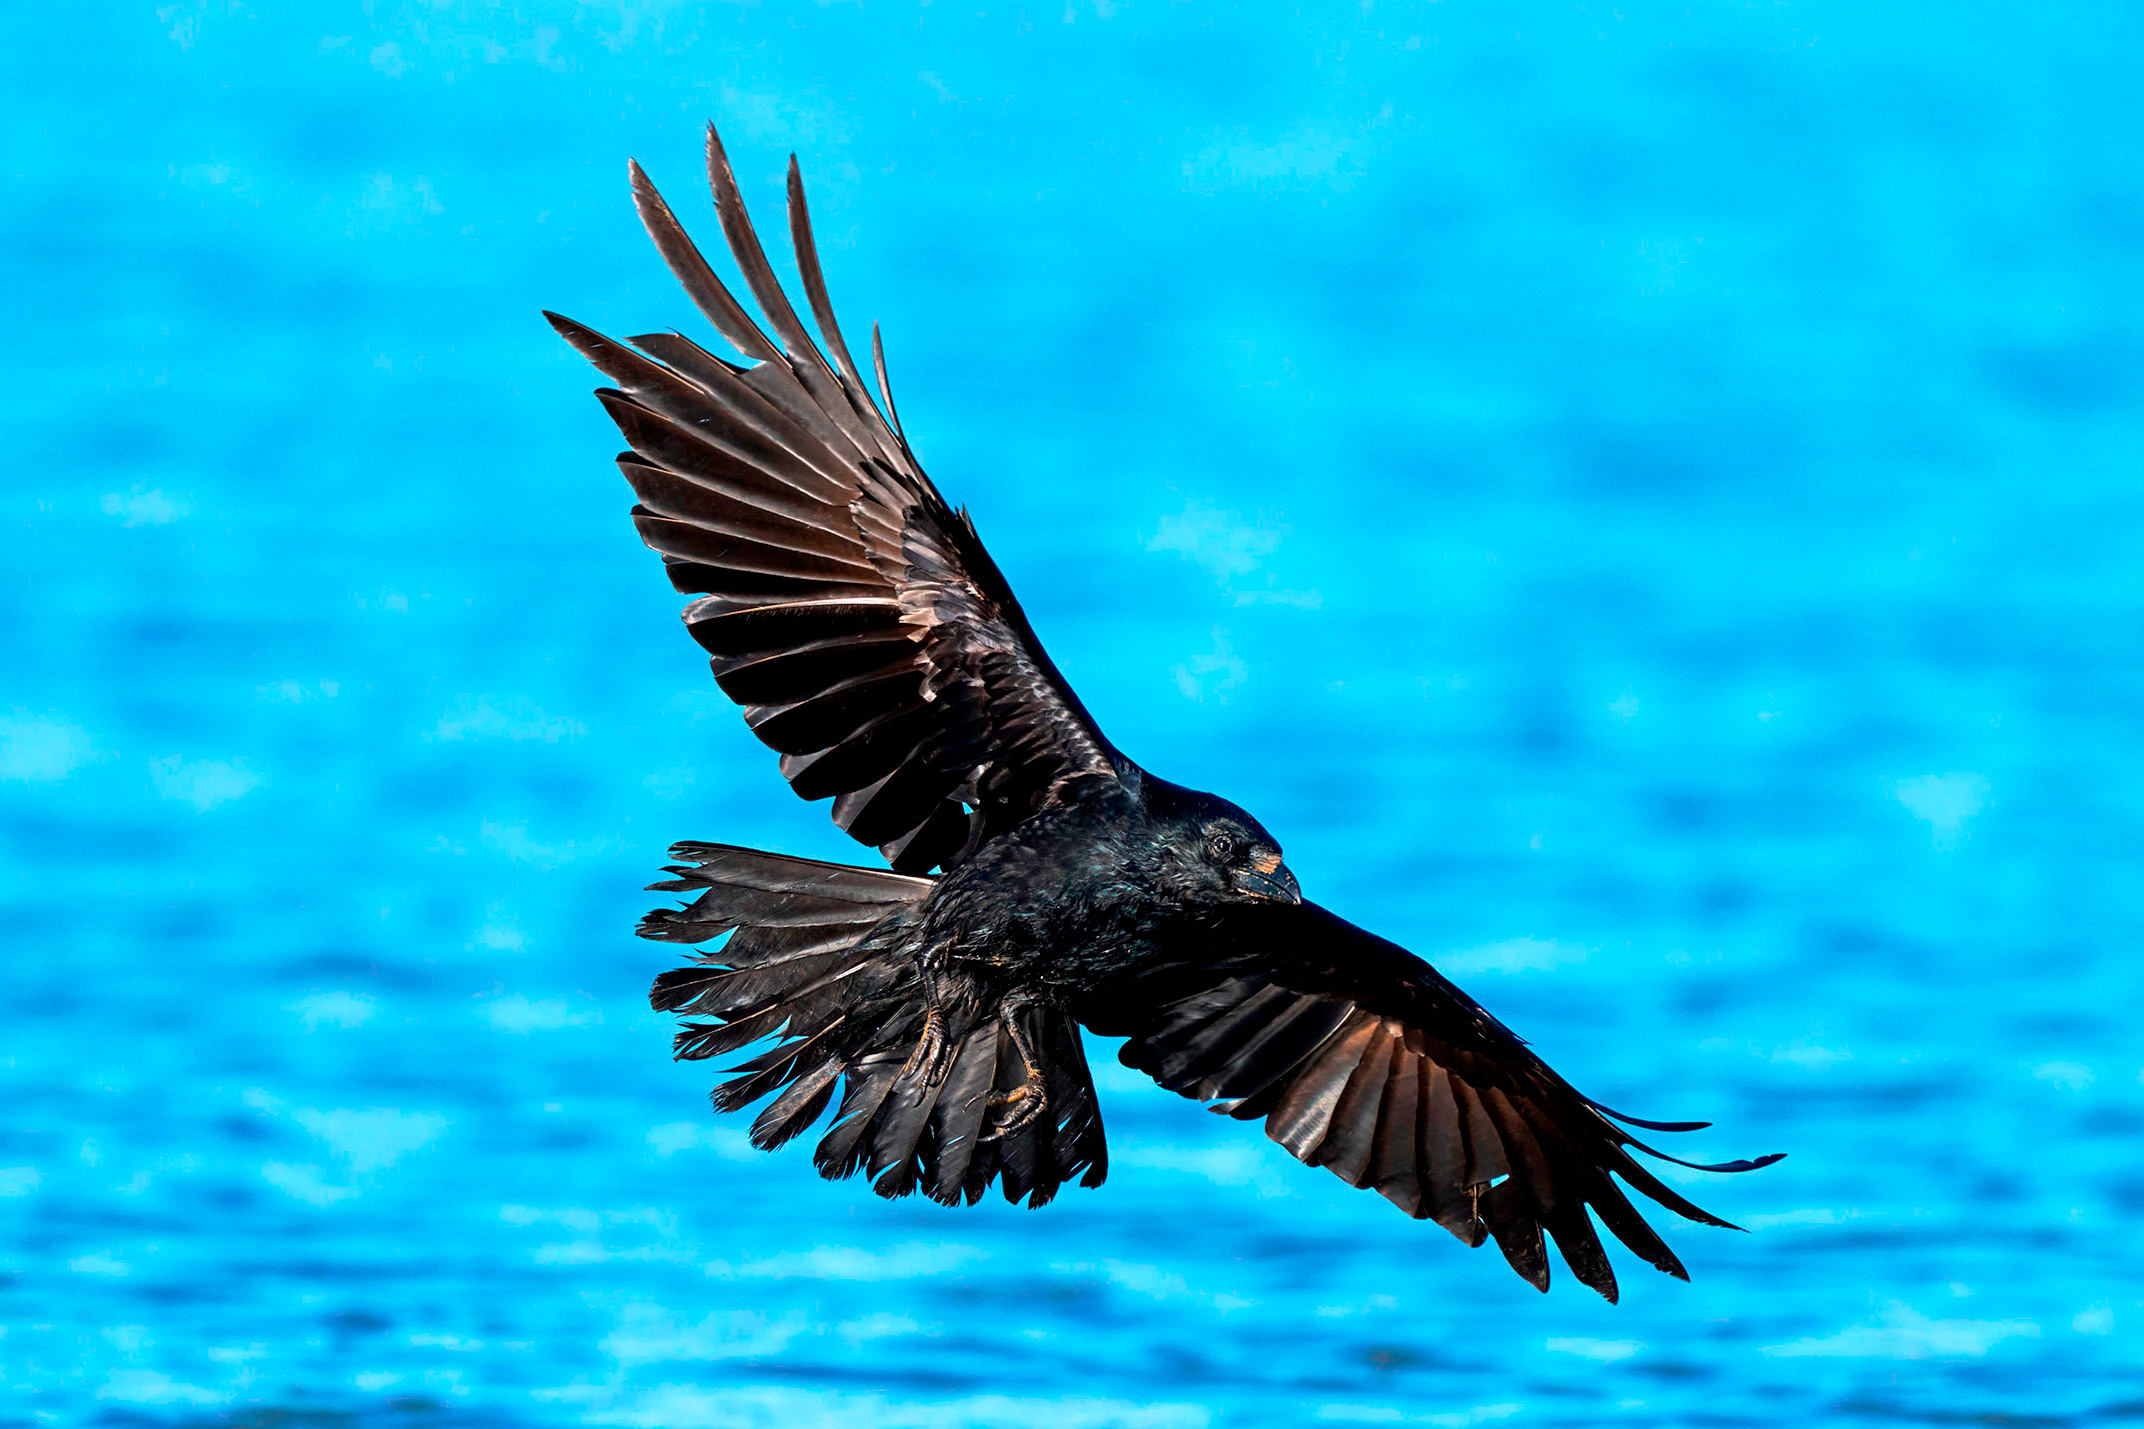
[[1039, 880]]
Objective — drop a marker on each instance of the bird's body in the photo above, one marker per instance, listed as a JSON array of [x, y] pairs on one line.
[[1053, 904], [1065, 903], [875, 645]]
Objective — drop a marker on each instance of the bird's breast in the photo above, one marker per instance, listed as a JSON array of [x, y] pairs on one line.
[[1050, 907]]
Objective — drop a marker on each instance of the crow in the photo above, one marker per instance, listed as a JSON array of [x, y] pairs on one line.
[[1039, 880]]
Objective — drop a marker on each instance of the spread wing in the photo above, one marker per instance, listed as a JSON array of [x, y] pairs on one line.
[[1362, 1058], [848, 608]]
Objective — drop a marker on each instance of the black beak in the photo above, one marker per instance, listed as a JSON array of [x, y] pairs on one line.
[[1276, 883]]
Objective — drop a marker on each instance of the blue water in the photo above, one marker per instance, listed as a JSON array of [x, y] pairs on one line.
[[1644, 499]]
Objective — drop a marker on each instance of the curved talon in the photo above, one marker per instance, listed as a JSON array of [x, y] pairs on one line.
[[1031, 1098], [1027, 1101], [932, 1056]]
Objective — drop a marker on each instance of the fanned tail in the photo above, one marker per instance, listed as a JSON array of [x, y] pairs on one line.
[[817, 962]]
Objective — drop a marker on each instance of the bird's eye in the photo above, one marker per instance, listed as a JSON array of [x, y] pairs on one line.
[[1222, 847]]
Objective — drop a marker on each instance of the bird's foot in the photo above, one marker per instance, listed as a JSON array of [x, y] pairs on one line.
[[933, 1055], [1007, 1112]]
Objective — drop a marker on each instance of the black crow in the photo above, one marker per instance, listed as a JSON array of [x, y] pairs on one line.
[[875, 645]]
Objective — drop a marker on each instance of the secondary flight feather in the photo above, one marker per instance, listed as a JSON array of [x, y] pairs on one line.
[[1039, 880]]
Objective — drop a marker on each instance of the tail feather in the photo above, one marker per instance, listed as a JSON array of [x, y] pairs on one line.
[[1078, 1143], [796, 1108], [959, 1117], [702, 991], [895, 1165], [845, 1148], [780, 1065], [1034, 1162], [1023, 1171], [750, 888], [816, 962]]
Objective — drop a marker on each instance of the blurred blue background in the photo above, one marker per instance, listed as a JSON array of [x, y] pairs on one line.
[[1643, 499]]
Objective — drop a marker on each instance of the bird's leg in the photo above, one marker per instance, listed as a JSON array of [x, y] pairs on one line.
[[1008, 1112], [932, 1058], [933, 1049]]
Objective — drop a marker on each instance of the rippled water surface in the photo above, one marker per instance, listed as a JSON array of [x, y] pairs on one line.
[[1643, 499]]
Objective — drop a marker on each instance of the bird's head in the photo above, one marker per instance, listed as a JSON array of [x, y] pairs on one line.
[[1202, 848]]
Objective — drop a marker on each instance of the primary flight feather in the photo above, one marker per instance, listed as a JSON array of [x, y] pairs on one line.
[[1040, 880]]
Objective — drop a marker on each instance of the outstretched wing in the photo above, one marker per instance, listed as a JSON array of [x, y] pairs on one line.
[[1362, 1058], [848, 608]]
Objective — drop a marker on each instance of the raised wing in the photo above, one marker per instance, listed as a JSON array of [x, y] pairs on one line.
[[848, 608], [1362, 1058]]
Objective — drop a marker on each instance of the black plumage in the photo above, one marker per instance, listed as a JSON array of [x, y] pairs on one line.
[[1040, 881]]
